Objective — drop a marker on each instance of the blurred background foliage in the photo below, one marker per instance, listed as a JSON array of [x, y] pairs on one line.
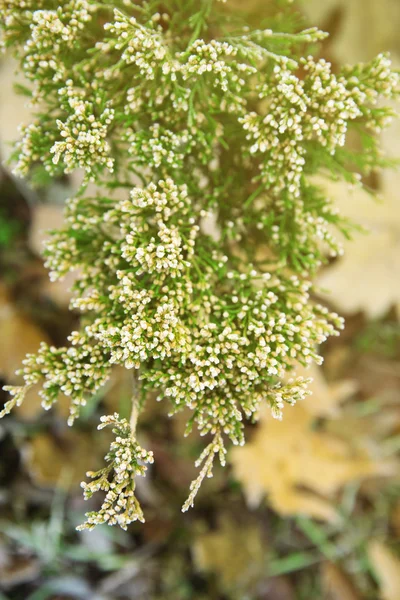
[[310, 508]]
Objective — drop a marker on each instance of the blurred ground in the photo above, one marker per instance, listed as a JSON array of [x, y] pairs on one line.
[[308, 510]]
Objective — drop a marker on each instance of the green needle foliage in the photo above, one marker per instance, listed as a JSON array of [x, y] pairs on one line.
[[179, 116]]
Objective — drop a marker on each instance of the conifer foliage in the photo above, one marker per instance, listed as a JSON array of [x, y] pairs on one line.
[[179, 114]]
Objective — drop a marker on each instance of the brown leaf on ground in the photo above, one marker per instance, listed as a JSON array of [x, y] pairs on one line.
[[386, 565], [235, 554], [300, 468], [64, 460], [47, 217], [336, 584], [377, 375], [18, 570], [395, 519], [32, 407], [379, 18], [368, 431], [275, 588], [19, 337], [326, 398], [367, 276]]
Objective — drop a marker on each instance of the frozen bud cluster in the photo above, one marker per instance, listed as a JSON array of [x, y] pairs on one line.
[[196, 246]]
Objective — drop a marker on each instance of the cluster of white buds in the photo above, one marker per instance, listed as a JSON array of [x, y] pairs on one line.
[[152, 330], [251, 340], [374, 79], [17, 17], [164, 252], [40, 50], [77, 371], [84, 134], [211, 58], [51, 33], [314, 109], [309, 237], [281, 394], [127, 459], [160, 146], [28, 148], [141, 46]]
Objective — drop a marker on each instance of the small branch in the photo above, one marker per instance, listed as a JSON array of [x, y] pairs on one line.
[[135, 401], [206, 459]]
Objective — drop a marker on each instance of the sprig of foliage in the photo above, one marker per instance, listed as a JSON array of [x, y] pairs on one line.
[[126, 460], [180, 120]]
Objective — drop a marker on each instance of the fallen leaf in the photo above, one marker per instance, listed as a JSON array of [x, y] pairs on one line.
[[32, 405], [19, 570], [235, 554], [369, 431], [386, 565], [13, 107], [336, 584], [298, 467], [275, 588], [326, 398], [367, 277], [395, 519], [64, 460], [21, 336], [45, 218], [350, 44]]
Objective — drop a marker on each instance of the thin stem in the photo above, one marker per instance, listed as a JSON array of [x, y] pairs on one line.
[[136, 405]]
